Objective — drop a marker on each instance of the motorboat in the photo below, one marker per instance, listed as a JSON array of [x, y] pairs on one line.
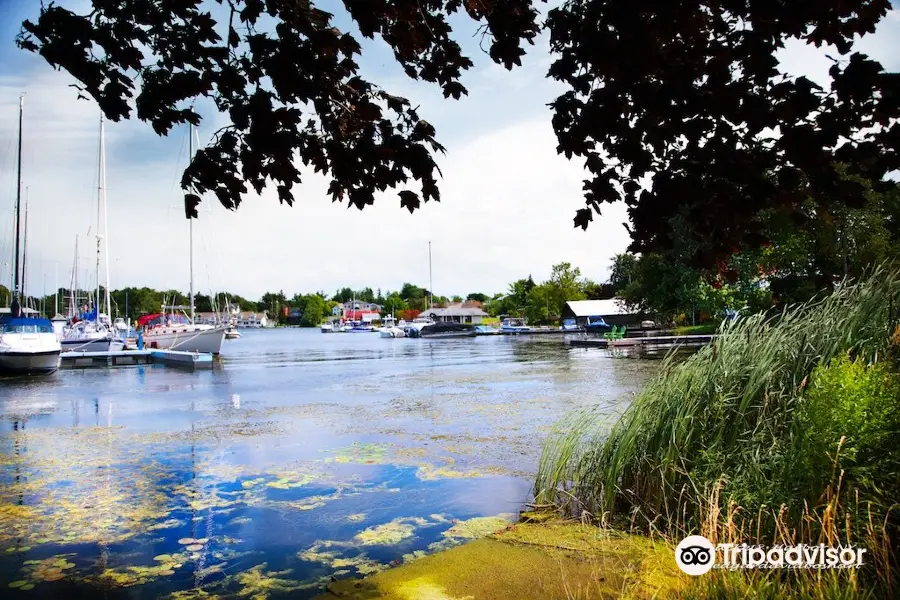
[[392, 332], [514, 325], [177, 332], [28, 346], [596, 324], [327, 328], [569, 325], [445, 330], [486, 330], [232, 334]]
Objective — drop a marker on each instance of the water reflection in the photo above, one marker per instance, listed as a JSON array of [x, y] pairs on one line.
[[299, 458]]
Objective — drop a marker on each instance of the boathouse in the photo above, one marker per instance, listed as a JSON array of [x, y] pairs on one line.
[[614, 311], [464, 312]]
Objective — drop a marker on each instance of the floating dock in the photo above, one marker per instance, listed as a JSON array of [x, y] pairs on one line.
[[127, 358], [661, 341]]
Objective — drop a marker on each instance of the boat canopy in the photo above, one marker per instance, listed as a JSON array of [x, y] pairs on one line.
[[147, 318], [27, 325]]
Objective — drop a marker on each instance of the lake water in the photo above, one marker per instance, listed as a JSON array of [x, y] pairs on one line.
[[301, 457]]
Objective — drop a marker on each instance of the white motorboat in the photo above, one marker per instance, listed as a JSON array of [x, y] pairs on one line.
[[514, 325], [28, 346], [232, 334], [326, 328], [392, 332]]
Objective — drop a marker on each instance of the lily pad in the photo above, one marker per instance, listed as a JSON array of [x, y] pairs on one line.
[[194, 547], [17, 584]]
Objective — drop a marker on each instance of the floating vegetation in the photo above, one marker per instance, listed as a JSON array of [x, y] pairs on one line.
[[361, 562], [129, 576], [367, 454], [392, 532], [167, 524], [356, 517], [479, 527], [258, 584], [239, 521]]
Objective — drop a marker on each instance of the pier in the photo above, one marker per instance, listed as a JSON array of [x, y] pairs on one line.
[[662, 341], [127, 358]]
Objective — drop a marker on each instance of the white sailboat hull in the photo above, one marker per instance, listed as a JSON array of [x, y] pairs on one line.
[[187, 340], [98, 345]]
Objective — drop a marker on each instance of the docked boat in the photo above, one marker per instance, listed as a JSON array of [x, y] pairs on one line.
[[597, 325], [514, 325], [392, 332], [360, 328], [177, 332], [27, 345], [446, 330], [93, 332], [174, 331], [486, 330], [232, 334], [91, 336]]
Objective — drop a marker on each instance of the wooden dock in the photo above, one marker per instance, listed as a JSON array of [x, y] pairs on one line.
[[128, 358], [660, 341]]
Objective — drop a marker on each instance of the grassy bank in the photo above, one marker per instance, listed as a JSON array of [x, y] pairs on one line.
[[783, 430]]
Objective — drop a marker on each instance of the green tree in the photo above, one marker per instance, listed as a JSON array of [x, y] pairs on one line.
[[623, 270], [539, 305], [393, 303], [478, 297], [565, 284]]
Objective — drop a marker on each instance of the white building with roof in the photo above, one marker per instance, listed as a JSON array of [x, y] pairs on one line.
[[614, 311], [456, 313]]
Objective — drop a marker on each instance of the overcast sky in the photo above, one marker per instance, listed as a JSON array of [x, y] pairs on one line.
[[507, 199]]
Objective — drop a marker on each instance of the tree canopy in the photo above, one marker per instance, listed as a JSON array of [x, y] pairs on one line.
[[679, 109]]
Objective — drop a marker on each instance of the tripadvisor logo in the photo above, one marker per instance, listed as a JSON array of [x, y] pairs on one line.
[[696, 555]]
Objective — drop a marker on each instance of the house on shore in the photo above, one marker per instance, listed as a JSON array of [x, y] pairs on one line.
[[614, 311], [252, 320], [464, 312]]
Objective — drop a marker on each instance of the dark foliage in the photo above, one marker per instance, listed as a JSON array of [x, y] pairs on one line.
[[287, 79], [689, 94], [685, 94]]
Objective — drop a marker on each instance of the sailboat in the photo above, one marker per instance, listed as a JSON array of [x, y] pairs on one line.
[[94, 332], [173, 331], [27, 345]]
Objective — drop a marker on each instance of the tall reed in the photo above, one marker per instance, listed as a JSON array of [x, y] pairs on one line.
[[720, 423]]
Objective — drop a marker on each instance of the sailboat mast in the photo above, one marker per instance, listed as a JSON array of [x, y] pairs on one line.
[[191, 221], [430, 284], [99, 220], [105, 222], [14, 306], [25, 253], [73, 283]]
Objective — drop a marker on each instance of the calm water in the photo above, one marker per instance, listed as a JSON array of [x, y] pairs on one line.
[[301, 457]]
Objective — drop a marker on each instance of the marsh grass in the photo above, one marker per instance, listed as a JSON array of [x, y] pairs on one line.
[[720, 443]]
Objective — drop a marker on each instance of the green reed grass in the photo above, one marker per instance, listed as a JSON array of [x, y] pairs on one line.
[[720, 423]]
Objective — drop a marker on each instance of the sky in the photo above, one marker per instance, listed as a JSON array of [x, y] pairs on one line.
[[507, 198]]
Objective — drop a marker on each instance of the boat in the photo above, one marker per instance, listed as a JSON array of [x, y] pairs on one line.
[[446, 330], [232, 334], [392, 332], [514, 325], [486, 330], [91, 336], [360, 328], [180, 331], [596, 324], [171, 331], [569, 325], [93, 332], [28, 345]]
